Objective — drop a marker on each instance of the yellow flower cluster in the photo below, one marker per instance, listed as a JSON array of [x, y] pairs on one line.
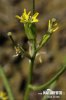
[[52, 25], [26, 18], [3, 96]]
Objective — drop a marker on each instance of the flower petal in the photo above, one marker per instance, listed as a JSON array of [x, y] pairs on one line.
[[35, 15], [18, 17], [29, 13], [35, 20]]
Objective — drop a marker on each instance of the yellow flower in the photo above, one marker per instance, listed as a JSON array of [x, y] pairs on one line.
[[3, 96], [52, 25], [34, 17], [26, 18]]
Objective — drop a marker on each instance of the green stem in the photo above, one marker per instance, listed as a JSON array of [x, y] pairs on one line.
[[44, 86], [33, 6], [31, 62], [26, 97], [6, 84], [11, 38]]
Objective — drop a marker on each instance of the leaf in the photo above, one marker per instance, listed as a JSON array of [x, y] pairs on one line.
[[30, 30]]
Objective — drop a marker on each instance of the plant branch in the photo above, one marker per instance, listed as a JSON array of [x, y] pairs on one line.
[[31, 62], [17, 47], [27, 90], [33, 6], [44, 86], [6, 84], [43, 41]]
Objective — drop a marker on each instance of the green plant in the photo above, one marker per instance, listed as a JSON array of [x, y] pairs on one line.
[[30, 31], [6, 84]]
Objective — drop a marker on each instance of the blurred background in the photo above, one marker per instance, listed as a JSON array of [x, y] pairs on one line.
[[53, 53]]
